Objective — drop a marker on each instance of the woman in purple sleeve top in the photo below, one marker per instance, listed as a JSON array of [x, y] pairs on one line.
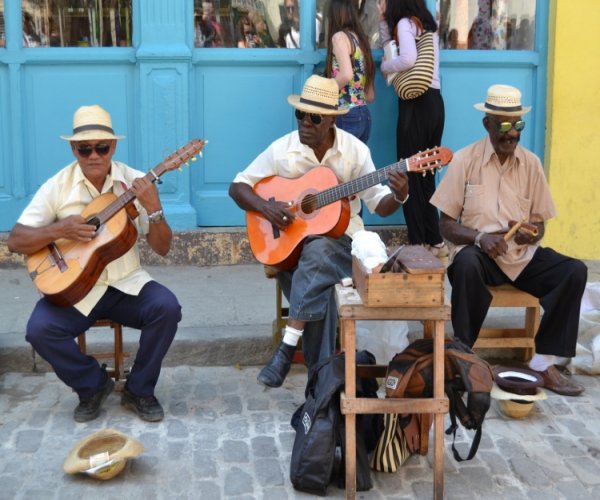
[[421, 120]]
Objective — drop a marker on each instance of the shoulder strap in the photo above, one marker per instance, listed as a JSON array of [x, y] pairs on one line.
[[453, 398]]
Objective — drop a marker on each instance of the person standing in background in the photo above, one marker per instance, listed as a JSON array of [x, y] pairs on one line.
[[421, 120], [350, 63]]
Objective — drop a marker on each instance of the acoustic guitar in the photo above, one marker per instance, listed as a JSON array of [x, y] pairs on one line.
[[320, 205], [66, 270]]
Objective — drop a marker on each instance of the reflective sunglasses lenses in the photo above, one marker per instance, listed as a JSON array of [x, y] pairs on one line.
[[506, 126], [85, 150], [316, 119]]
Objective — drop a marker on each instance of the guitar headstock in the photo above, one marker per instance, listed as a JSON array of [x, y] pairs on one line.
[[429, 160], [181, 156]]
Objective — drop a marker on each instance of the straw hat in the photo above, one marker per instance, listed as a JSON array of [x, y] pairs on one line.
[[516, 389], [103, 454], [503, 100], [91, 123], [320, 96]]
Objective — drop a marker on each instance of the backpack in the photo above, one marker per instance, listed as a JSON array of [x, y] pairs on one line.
[[320, 429], [410, 374]]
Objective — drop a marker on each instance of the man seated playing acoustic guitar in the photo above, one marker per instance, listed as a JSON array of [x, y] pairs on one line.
[[124, 293], [323, 260]]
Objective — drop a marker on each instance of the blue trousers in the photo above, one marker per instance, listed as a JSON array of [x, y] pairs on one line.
[[557, 280], [309, 289], [52, 331], [356, 122]]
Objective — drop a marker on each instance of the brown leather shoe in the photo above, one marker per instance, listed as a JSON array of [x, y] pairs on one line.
[[558, 383]]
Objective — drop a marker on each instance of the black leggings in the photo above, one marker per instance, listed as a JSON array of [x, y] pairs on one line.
[[420, 127]]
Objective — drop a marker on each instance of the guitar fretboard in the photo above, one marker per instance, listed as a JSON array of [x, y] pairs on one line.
[[349, 188]]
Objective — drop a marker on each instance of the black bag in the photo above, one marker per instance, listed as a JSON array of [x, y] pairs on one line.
[[319, 429], [410, 374]]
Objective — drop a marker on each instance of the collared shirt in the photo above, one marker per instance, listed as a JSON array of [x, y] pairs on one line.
[[348, 157], [485, 195], [68, 193]]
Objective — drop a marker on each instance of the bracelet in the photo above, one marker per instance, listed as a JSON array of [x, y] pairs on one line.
[[402, 202]]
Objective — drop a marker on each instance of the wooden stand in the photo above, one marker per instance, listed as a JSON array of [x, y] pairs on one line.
[[350, 309]]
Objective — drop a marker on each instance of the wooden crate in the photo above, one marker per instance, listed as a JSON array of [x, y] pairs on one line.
[[419, 284]]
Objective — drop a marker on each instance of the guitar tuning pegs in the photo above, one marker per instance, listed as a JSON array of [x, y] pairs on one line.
[[200, 154], [180, 169], [193, 158], [425, 173]]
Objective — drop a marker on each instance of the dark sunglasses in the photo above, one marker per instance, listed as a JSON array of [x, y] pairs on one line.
[[85, 150], [316, 119], [505, 127]]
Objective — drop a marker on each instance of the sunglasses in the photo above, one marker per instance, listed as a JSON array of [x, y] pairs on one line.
[[316, 119], [505, 127], [85, 150]]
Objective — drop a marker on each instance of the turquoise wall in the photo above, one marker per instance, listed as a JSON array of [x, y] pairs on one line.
[[162, 92]]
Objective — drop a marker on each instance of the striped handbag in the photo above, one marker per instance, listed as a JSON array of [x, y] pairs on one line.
[[392, 448], [413, 82]]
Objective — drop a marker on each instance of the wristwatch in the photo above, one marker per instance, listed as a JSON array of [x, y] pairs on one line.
[[478, 240], [156, 217]]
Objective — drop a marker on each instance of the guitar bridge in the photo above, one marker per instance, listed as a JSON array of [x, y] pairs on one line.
[[57, 258]]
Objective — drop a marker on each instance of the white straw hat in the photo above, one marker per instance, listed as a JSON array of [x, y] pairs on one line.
[[503, 100], [320, 95], [91, 123], [103, 454]]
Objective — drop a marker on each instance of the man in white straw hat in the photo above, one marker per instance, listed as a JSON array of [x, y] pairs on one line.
[[323, 260], [124, 293], [491, 186]]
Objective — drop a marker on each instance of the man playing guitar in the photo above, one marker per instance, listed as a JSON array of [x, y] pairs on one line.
[[124, 292], [322, 260]]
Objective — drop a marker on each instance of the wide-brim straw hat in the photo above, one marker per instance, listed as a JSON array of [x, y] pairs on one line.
[[91, 123], [320, 96], [103, 454], [503, 100]]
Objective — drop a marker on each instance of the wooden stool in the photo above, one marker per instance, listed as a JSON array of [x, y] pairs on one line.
[[502, 338], [117, 371]]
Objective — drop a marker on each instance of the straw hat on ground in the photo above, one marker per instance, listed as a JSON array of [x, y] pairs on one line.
[[516, 390], [91, 123], [503, 100], [320, 96], [103, 454]]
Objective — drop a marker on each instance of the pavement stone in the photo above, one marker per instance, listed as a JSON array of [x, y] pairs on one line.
[[226, 437]]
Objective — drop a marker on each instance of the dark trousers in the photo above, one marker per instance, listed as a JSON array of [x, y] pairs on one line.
[[420, 127], [558, 281], [52, 331]]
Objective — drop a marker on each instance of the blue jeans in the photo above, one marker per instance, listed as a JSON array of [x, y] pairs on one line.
[[309, 289], [356, 122], [52, 330]]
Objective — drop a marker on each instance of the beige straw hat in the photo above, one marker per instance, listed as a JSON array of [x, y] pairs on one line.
[[103, 454], [91, 123], [516, 390], [320, 96], [503, 100]]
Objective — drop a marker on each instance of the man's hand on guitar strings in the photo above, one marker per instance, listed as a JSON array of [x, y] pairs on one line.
[[147, 194], [75, 227], [278, 213], [398, 182]]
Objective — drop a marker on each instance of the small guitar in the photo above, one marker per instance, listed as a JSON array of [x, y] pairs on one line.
[[320, 204], [66, 270]]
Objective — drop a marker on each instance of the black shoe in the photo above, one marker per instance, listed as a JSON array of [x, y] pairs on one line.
[[274, 373], [89, 408], [147, 407]]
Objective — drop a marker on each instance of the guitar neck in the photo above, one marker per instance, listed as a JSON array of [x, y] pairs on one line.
[[354, 186], [121, 202]]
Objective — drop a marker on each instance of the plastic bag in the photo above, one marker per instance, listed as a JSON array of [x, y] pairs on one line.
[[382, 338]]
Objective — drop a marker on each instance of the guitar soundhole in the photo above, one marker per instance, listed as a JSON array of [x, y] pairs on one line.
[[309, 204], [94, 221]]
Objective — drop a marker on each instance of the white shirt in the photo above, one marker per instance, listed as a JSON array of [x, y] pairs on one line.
[[349, 158], [68, 193]]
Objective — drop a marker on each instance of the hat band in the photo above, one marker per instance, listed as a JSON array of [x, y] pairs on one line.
[[318, 104], [85, 128], [503, 108]]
